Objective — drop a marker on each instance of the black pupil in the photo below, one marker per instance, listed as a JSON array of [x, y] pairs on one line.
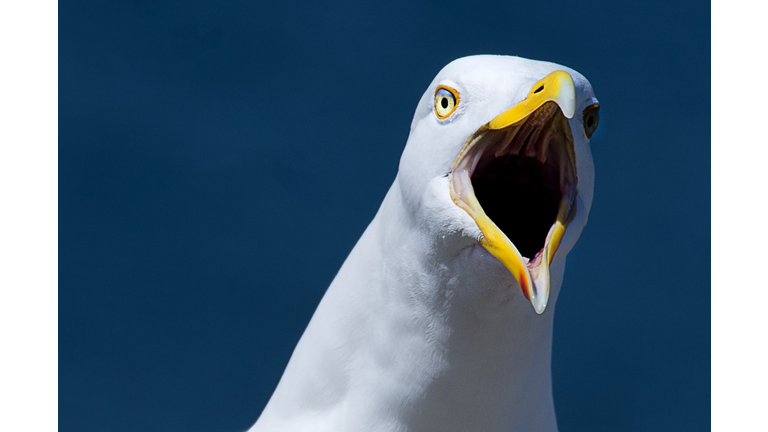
[[590, 121], [444, 102]]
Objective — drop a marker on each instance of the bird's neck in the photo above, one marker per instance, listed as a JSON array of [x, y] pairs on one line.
[[407, 339], [475, 353]]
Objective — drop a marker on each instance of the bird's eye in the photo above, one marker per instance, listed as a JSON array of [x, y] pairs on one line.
[[591, 119], [446, 101]]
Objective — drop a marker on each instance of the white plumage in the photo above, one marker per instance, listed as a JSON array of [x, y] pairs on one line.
[[427, 327]]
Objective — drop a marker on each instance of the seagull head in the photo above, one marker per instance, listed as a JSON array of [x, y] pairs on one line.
[[499, 151]]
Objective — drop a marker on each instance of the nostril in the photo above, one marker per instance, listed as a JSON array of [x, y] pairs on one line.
[[539, 89]]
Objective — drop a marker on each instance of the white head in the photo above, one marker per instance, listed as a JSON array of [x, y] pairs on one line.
[[499, 152]]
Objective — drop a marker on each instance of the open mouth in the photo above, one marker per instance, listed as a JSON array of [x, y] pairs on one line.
[[518, 182], [527, 168]]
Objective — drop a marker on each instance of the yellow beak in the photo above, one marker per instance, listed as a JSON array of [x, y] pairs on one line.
[[557, 87]]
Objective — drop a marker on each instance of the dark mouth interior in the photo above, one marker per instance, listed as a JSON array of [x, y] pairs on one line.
[[518, 182]]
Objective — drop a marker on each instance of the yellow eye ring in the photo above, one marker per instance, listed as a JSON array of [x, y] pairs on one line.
[[591, 119], [446, 101]]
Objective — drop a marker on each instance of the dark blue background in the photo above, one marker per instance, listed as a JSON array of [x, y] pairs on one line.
[[218, 161]]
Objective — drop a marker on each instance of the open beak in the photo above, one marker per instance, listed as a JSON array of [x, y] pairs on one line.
[[516, 177]]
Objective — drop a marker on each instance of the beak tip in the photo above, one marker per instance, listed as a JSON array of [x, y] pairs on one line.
[[567, 94], [539, 294], [568, 112], [539, 305], [568, 102]]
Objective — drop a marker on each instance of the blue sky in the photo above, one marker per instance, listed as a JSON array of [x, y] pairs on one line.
[[194, 135]]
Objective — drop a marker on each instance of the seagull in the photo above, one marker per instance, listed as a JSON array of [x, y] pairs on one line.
[[441, 317]]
